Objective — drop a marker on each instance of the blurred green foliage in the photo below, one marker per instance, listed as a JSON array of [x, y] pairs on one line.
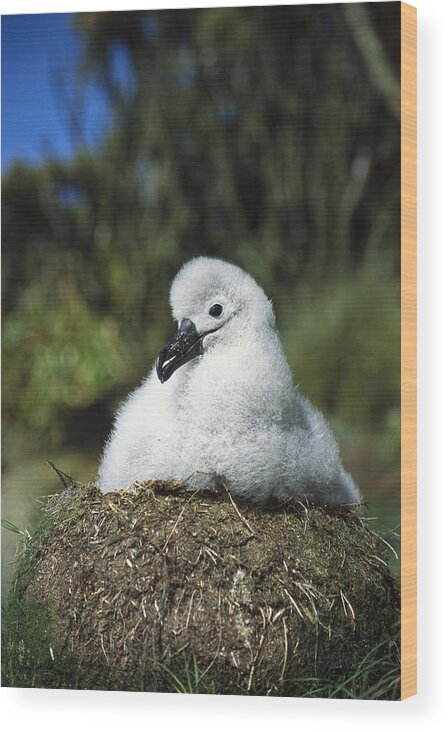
[[260, 135]]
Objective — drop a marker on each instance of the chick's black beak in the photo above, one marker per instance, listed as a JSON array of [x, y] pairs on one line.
[[181, 348]]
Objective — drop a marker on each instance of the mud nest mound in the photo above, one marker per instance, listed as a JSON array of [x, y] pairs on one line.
[[161, 588]]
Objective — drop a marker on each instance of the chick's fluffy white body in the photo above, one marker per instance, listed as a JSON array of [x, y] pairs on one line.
[[231, 414]]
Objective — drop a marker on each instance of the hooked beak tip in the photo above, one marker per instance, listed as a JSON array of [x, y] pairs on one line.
[[183, 346], [159, 367]]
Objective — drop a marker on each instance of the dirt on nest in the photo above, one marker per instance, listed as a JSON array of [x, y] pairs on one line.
[[161, 588]]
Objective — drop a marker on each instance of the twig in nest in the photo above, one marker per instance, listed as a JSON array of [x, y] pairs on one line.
[[62, 476], [381, 538], [285, 657], [245, 521], [178, 519]]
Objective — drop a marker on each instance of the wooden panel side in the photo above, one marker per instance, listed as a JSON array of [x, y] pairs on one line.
[[409, 349]]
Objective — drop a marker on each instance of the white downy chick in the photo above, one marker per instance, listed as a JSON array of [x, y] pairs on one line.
[[220, 406]]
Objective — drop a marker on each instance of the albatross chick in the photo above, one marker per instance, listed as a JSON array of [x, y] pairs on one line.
[[220, 406]]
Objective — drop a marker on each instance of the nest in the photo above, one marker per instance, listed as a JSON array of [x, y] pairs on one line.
[[163, 588]]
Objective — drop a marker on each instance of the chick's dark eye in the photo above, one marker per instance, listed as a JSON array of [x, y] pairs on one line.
[[215, 310]]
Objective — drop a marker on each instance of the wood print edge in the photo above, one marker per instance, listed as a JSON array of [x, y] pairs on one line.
[[408, 351]]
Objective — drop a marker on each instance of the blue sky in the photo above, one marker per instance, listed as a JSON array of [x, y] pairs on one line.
[[36, 51]]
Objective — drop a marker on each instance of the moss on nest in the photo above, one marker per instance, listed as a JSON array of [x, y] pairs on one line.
[[162, 588]]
